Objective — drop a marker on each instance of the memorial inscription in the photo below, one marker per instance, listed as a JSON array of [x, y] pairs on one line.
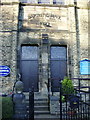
[[50, 16]]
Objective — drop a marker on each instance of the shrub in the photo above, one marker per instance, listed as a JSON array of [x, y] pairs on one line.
[[7, 108], [67, 87]]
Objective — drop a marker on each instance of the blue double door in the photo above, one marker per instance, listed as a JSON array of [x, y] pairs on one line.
[[29, 66]]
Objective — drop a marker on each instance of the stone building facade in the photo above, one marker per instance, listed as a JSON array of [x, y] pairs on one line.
[[32, 36]]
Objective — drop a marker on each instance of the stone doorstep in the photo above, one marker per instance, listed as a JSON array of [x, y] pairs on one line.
[[40, 104], [41, 112], [41, 99], [47, 116], [37, 96], [40, 108]]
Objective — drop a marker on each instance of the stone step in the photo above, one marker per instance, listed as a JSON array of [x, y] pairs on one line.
[[41, 112], [41, 108], [46, 116], [41, 99], [40, 103], [26, 94], [36, 99]]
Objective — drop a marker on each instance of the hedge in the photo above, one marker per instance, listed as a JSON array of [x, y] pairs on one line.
[[7, 108]]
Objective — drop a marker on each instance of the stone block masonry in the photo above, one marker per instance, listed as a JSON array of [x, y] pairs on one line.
[[24, 24], [8, 42]]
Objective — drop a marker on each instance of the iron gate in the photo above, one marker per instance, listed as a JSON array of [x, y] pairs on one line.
[[78, 105]]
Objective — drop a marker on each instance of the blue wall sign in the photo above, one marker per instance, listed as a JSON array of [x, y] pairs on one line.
[[85, 67], [4, 70]]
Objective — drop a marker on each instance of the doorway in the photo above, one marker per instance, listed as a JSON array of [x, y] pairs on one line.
[[29, 67], [58, 66]]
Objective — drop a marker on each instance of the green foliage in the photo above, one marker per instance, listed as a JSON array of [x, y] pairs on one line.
[[7, 107], [63, 98], [67, 86]]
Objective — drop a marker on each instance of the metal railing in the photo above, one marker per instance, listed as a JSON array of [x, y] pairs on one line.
[[31, 103], [78, 105]]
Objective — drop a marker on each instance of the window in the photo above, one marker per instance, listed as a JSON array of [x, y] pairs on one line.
[[29, 52], [29, 1], [44, 1], [58, 53], [58, 1], [32, 1]]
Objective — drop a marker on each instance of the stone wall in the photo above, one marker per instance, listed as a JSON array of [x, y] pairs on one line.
[[34, 24], [8, 43], [64, 24]]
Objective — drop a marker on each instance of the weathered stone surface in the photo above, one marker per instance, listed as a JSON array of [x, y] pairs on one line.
[[61, 23], [54, 105], [8, 42]]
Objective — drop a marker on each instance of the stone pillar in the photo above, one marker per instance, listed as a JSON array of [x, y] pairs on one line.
[[44, 69], [44, 57], [89, 35], [82, 3], [68, 2], [73, 42], [51, 1], [83, 34]]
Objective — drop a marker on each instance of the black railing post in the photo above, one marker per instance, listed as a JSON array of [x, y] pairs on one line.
[[49, 94], [79, 84], [31, 104], [89, 94], [33, 101], [60, 100]]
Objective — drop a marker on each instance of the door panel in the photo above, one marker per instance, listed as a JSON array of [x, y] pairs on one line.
[[29, 68], [58, 66]]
